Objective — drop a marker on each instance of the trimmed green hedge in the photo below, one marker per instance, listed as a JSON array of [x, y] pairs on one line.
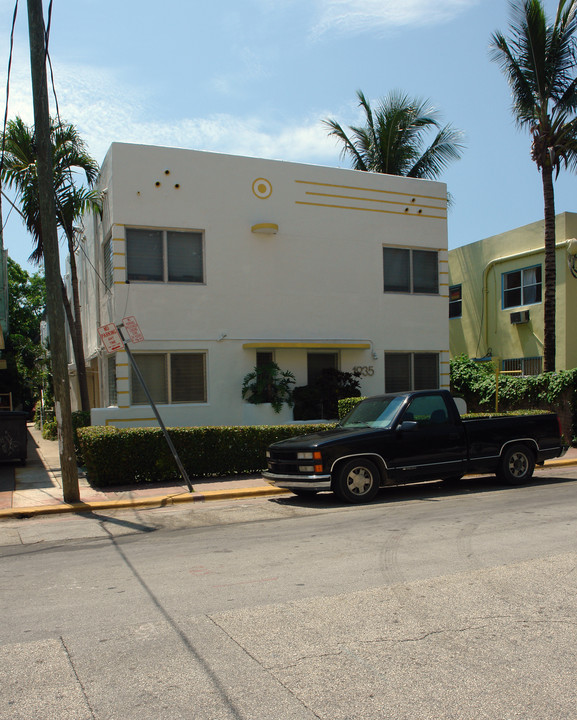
[[134, 455]]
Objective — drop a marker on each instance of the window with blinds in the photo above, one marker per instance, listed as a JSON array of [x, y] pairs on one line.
[[164, 256], [170, 378], [411, 371], [108, 264], [111, 376]]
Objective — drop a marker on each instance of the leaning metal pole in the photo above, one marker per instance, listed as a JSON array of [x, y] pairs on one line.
[[169, 442]]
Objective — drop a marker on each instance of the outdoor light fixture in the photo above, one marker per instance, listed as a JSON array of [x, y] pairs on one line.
[[265, 228]]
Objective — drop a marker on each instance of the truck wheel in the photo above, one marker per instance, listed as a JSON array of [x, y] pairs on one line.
[[357, 481], [516, 466]]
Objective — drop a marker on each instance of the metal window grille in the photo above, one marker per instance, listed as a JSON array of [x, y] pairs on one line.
[[527, 366]]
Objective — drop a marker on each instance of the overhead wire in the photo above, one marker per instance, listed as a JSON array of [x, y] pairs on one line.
[[10, 56]]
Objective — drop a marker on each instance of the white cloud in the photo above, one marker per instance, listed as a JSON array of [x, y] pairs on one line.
[[355, 16], [105, 111]]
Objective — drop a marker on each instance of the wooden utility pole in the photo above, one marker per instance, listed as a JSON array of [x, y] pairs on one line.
[[47, 202]]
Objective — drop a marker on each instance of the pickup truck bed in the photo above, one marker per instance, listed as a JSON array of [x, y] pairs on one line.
[[411, 437]]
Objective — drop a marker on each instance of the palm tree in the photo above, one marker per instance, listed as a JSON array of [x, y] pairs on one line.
[[393, 139], [539, 62], [19, 172]]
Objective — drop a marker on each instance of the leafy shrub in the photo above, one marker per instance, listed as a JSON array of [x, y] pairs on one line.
[[321, 398], [80, 418], [133, 455], [268, 384], [50, 430]]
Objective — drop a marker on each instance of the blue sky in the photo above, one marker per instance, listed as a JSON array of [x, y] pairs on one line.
[[256, 77]]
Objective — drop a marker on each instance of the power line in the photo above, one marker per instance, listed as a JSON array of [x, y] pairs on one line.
[[14, 16]]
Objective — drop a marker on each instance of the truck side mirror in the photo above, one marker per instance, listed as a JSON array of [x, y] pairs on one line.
[[408, 425]]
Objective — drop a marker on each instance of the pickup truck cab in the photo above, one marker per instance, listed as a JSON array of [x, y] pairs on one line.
[[411, 437]]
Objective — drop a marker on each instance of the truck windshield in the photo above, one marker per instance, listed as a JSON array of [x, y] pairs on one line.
[[374, 412]]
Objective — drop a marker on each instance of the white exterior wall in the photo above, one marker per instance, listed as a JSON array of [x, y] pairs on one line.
[[318, 280]]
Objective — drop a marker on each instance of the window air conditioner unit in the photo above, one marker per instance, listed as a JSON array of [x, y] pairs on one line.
[[518, 318]]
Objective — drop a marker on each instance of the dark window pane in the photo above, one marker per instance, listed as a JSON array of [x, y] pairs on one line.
[[112, 394], [108, 264], [396, 269], [512, 280], [184, 257], [187, 377], [512, 298], [397, 372], [144, 255], [264, 358], [153, 369], [317, 362], [455, 303], [426, 370], [425, 271]]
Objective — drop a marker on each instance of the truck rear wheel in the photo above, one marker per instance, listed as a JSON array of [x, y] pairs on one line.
[[357, 481], [516, 466]]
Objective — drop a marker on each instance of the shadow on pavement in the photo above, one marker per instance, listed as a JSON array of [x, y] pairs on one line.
[[427, 491]]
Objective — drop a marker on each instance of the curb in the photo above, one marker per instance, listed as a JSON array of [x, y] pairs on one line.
[[167, 500], [150, 502]]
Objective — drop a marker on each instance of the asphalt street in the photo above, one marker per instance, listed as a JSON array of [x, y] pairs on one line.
[[430, 603]]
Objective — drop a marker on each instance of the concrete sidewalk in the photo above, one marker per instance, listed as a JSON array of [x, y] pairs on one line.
[[36, 488]]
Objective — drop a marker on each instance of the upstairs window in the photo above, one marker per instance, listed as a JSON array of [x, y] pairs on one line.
[[411, 271], [522, 287], [455, 301], [164, 256]]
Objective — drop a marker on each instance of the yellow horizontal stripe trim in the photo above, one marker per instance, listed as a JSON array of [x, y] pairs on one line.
[[123, 392], [119, 254], [117, 420], [375, 200], [366, 189], [377, 210], [309, 345]]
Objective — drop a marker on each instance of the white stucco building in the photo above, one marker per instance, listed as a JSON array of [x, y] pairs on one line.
[[228, 261]]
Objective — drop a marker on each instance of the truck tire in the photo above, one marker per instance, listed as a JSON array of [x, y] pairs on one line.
[[516, 466], [357, 481]]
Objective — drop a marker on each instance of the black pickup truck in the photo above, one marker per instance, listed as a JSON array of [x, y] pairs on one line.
[[411, 437]]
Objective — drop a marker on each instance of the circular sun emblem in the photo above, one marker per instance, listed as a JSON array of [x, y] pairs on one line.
[[262, 188]]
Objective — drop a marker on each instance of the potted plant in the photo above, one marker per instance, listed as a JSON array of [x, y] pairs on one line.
[[269, 384]]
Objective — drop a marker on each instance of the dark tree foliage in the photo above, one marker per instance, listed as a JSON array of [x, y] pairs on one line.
[[27, 364]]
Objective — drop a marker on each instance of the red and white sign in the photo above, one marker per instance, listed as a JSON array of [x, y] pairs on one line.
[[111, 338], [132, 329]]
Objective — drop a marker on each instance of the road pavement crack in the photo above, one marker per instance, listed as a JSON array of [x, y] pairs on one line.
[[78, 680], [267, 670]]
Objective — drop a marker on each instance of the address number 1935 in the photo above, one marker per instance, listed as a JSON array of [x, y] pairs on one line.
[[364, 370]]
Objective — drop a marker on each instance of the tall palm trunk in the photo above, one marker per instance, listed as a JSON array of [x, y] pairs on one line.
[[550, 268], [77, 350]]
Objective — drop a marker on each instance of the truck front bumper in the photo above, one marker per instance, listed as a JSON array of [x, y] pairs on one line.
[[300, 482]]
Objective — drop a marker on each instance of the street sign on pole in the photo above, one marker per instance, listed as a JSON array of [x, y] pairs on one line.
[[132, 329], [111, 338]]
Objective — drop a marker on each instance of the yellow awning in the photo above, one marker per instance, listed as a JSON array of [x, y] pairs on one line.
[[308, 345]]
